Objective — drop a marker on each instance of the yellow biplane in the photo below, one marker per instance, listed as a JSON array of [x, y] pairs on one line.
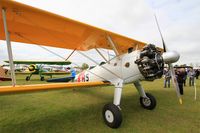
[[134, 60]]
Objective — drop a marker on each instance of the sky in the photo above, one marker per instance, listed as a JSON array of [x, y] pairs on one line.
[[179, 22]]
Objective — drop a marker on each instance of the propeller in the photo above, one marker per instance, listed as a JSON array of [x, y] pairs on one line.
[[170, 57], [163, 42]]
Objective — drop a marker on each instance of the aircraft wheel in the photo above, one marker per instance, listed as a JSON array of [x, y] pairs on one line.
[[148, 103], [112, 115], [42, 78], [27, 78]]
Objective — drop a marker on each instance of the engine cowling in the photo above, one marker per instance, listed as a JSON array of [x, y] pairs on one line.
[[32, 68], [150, 62]]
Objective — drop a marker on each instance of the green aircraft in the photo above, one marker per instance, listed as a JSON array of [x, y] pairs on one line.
[[36, 67]]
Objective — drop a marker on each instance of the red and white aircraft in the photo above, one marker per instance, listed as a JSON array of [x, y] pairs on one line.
[[134, 61]]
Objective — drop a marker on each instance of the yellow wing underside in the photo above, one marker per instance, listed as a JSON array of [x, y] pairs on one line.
[[41, 87], [27, 24]]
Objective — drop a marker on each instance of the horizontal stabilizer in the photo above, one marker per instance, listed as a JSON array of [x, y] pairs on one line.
[[65, 79]]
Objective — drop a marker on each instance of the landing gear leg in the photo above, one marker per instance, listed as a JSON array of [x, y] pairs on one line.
[[28, 77], [42, 78], [147, 100], [112, 112]]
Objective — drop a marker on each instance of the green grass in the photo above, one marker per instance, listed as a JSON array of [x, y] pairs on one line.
[[80, 110]]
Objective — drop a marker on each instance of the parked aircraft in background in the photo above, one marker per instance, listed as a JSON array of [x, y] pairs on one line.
[[37, 68]]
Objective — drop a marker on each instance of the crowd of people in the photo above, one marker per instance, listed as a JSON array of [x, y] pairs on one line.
[[181, 75]]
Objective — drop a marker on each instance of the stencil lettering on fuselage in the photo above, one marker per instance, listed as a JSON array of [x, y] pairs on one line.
[[82, 77]]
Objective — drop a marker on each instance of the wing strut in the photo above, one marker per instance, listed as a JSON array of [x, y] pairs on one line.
[[136, 47], [70, 54], [101, 55], [9, 48], [113, 45]]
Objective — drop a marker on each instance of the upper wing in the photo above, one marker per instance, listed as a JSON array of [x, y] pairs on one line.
[[31, 25], [42, 62]]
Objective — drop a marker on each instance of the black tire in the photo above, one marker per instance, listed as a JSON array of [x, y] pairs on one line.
[[150, 103], [112, 115], [42, 78], [27, 78]]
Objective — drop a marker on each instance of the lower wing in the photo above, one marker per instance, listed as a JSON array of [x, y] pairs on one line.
[[53, 86]]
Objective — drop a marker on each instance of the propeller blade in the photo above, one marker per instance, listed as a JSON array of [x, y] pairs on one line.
[[163, 42], [174, 80]]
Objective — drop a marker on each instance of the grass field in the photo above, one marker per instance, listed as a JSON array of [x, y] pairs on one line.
[[80, 110]]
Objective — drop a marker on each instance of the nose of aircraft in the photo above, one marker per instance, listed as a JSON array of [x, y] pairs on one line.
[[170, 57]]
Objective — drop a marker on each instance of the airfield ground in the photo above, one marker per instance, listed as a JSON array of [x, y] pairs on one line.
[[80, 110]]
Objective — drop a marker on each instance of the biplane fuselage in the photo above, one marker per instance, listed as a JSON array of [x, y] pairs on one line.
[[145, 64], [123, 67]]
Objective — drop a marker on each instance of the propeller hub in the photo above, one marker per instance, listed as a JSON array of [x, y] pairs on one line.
[[170, 57]]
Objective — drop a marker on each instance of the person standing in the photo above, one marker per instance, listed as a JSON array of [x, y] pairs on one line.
[[185, 77], [197, 73], [73, 74], [191, 75], [167, 76], [180, 73]]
